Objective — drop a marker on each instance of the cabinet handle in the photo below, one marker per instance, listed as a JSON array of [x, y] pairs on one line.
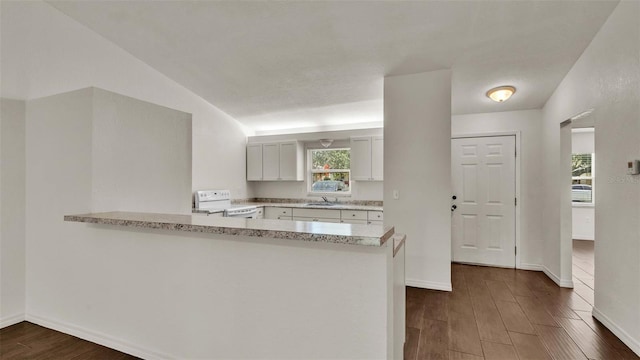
[[353, 214]]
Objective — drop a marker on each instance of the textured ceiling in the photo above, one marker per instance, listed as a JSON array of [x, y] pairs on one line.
[[277, 65]]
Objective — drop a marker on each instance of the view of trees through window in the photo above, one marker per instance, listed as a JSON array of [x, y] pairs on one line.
[[582, 178], [330, 170]]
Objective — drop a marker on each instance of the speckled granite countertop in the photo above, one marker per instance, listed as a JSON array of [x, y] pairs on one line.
[[368, 235], [338, 206]]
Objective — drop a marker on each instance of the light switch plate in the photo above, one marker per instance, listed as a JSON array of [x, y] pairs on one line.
[[633, 167]]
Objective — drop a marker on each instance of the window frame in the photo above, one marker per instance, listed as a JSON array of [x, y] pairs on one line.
[[593, 182], [310, 171]]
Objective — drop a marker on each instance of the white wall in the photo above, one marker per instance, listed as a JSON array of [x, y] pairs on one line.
[[361, 190], [12, 211], [583, 225], [417, 163], [163, 295], [528, 123], [141, 156], [607, 78], [44, 52]]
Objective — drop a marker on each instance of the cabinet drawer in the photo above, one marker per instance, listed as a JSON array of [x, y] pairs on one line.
[[375, 216], [298, 218], [354, 221], [354, 215], [274, 212], [317, 213], [374, 222]]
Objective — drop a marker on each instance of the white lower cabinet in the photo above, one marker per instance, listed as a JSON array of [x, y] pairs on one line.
[[375, 216], [299, 218], [360, 217], [318, 215], [353, 217], [355, 222], [277, 213]]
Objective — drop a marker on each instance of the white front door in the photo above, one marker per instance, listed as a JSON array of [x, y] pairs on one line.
[[483, 211]]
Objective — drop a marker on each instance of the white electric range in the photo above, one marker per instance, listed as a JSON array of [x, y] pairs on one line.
[[213, 201]]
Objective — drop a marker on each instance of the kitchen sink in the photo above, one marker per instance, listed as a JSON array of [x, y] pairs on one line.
[[320, 204]]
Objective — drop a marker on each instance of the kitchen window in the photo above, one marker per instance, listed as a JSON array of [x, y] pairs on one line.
[[329, 171], [583, 178]]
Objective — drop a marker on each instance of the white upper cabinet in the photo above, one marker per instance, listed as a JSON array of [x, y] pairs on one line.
[[275, 161], [270, 161], [361, 158], [291, 161], [254, 162], [367, 158], [377, 158]]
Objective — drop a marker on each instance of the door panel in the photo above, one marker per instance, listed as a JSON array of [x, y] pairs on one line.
[[288, 161], [270, 161], [361, 158], [483, 224], [254, 162]]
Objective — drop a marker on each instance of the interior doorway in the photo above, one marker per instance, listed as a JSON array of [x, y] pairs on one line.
[[583, 181], [483, 209], [578, 197]]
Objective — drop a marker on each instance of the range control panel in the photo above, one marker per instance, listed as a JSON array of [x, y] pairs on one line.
[[212, 195]]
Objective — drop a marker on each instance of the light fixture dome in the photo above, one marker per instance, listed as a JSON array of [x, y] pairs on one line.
[[501, 93], [326, 142]]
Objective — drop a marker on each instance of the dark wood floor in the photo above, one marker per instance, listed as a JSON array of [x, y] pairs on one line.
[[29, 341], [583, 269], [505, 314]]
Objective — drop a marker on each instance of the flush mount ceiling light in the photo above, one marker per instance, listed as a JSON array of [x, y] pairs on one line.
[[326, 142], [501, 93]]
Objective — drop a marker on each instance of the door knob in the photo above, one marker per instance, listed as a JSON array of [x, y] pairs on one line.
[[453, 207]]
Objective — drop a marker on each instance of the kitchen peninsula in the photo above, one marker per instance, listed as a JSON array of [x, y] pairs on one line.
[[263, 288]]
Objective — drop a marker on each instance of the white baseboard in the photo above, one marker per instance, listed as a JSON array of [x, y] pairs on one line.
[[534, 267], [633, 344], [98, 338], [561, 282], [11, 320], [432, 285]]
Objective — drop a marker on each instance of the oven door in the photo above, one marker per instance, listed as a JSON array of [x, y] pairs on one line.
[[248, 214]]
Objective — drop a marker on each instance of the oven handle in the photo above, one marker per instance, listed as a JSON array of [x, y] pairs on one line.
[[244, 213]]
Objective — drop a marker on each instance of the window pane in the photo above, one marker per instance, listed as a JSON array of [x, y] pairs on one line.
[[581, 171], [581, 165], [330, 170], [330, 159], [330, 182]]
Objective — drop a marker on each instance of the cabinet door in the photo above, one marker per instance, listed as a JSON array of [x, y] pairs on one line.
[[377, 158], [254, 162], [354, 222], [288, 161], [361, 158], [270, 161]]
